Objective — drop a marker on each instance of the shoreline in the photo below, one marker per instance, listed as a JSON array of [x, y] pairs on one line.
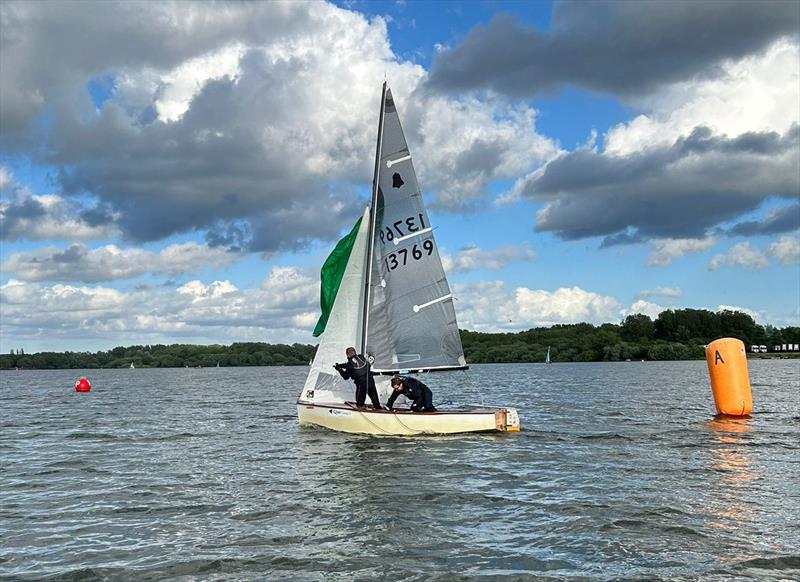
[[769, 356]]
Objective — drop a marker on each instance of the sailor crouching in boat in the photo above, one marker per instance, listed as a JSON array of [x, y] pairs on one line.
[[414, 390], [357, 369]]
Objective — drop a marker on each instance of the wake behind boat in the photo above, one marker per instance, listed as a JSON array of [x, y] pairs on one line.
[[384, 290]]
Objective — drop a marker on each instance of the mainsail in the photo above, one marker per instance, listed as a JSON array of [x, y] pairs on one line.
[[412, 321]]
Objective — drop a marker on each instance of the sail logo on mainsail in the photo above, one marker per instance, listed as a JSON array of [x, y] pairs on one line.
[[397, 181]]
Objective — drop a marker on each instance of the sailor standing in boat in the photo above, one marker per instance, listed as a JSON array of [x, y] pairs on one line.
[[357, 368], [414, 390]]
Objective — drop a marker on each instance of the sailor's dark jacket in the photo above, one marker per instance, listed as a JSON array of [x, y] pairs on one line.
[[413, 389]]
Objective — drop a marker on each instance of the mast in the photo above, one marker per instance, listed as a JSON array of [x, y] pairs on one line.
[[372, 219]]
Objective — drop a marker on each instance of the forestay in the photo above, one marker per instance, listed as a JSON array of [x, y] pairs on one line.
[[412, 321]]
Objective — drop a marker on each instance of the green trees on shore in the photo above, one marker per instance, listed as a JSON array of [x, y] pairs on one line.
[[168, 356], [674, 335]]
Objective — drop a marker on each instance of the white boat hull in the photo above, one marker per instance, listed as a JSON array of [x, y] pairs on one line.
[[346, 418]]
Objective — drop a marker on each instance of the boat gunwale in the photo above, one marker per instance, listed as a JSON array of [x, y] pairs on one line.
[[337, 406]]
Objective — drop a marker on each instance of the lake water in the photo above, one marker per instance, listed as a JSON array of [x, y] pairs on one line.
[[620, 472]]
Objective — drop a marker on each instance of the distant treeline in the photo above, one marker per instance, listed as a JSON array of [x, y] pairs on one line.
[[674, 335], [171, 356]]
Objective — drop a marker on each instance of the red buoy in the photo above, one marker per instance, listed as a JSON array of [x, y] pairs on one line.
[[83, 385]]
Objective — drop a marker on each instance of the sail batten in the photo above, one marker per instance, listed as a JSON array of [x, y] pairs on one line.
[[414, 370], [390, 163], [397, 241]]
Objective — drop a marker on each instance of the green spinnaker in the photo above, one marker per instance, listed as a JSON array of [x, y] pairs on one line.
[[331, 276]]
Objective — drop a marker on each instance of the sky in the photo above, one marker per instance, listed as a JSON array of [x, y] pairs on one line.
[[177, 172]]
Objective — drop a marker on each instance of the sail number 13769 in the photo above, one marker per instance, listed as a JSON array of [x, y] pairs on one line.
[[400, 258]]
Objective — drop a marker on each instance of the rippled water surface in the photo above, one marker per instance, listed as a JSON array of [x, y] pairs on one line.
[[620, 472]]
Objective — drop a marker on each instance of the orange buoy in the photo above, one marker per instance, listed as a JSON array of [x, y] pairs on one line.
[[83, 385], [730, 381]]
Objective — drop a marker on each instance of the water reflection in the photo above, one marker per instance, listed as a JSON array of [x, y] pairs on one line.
[[733, 464]]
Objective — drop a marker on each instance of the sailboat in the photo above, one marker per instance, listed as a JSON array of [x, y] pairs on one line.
[[384, 291], [132, 366], [547, 357]]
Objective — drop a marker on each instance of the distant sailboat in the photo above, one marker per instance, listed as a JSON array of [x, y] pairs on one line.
[[132, 366], [547, 357], [391, 299]]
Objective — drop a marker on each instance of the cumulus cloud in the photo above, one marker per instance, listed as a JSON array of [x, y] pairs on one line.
[[473, 258], [625, 48], [667, 250], [179, 86], [84, 38], [786, 250], [756, 315], [720, 146], [644, 307], [29, 308], [778, 220], [588, 193], [256, 131], [740, 255], [755, 94], [109, 262], [290, 287], [669, 292], [490, 306], [466, 144], [282, 309], [5, 178], [26, 216], [200, 291]]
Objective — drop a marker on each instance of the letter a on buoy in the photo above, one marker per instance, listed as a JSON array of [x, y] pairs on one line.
[[730, 381]]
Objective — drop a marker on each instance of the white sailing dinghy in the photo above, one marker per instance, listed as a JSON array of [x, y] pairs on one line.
[[384, 292]]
